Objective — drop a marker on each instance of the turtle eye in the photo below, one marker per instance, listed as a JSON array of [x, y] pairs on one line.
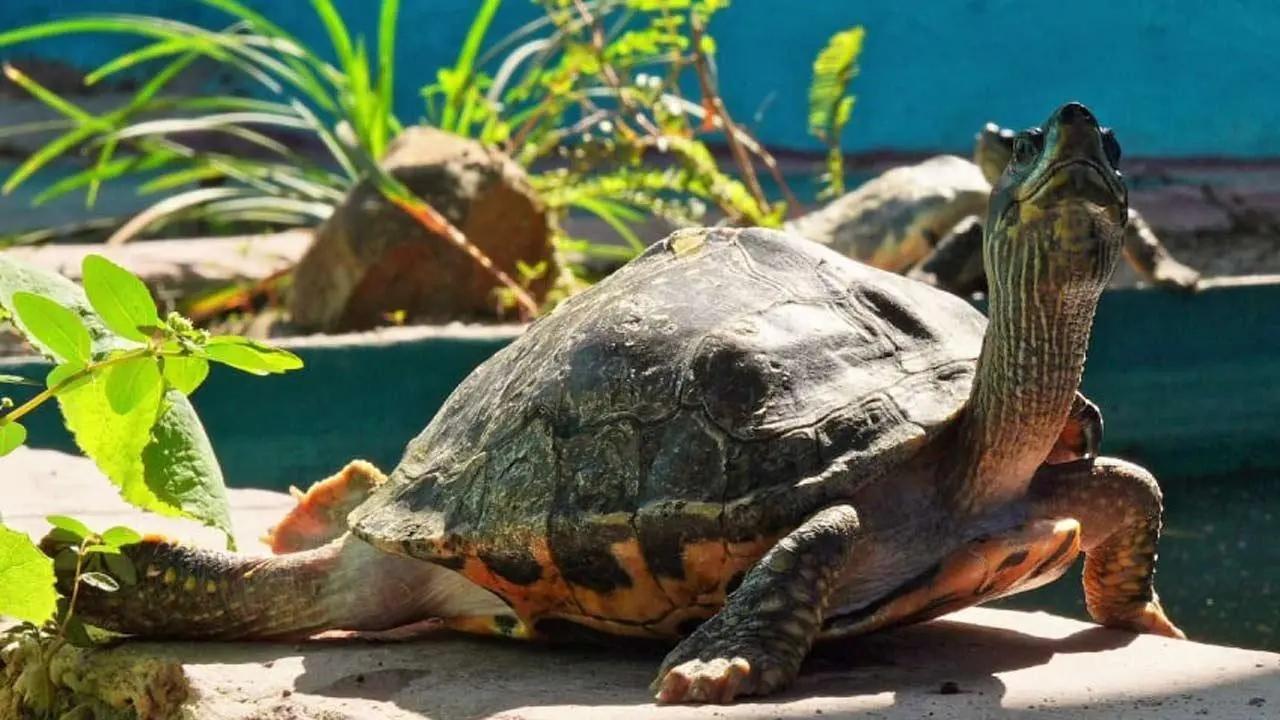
[[1111, 147], [1026, 146]]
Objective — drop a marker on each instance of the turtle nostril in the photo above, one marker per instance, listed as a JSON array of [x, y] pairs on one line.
[[1074, 111]]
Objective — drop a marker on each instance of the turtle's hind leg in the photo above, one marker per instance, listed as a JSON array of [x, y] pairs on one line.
[[1118, 505], [320, 516], [184, 592]]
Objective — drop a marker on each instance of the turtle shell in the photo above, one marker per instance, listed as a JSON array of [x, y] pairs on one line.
[[894, 220], [637, 449]]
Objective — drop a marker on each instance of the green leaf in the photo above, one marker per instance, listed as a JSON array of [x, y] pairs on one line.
[[122, 569], [26, 579], [180, 467], [829, 106], [250, 356], [119, 297], [185, 374], [114, 440], [133, 382], [73, 526], [53, 326], [12, 435], [76, 634], [101, 581], [16, 380], [157, 454], [101, 550], [119, 536]]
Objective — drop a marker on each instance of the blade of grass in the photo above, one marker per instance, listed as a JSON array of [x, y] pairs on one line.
[[602, 211], [154, 51], [385, 121], [169, 206], [46, 154], [49, 98], [465, 65], [337, 29]]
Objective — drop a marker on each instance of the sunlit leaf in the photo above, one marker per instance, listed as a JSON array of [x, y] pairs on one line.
[[133, 382], [157, 454], [119, 297], [101, 581], [26, 579], [251, 356], [16, 380], [120, 535], [185, 374], [52, 326], [12, 435], [71, 525]]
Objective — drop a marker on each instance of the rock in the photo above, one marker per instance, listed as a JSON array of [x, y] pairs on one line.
[[370, 258], [975, 663], [895, 219]]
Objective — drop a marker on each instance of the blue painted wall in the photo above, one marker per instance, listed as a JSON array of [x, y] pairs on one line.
[[1175, 77]]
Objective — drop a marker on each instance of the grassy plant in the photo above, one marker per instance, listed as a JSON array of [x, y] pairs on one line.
[[830, 105], [344, 105], [588, 97]]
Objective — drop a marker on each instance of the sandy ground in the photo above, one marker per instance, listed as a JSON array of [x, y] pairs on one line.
[[976, 664]]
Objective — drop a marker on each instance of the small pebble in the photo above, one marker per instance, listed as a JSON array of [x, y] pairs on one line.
[[950, 687], [1257, 702], [285, 693]]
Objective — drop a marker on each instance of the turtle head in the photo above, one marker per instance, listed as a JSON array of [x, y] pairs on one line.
[[1056, 220], [991, 150]]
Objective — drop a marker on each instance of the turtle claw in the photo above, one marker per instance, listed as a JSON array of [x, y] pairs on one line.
[[1151, 620], [716, 681]]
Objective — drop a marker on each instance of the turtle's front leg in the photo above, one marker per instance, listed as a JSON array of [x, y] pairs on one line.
[[1118, 505], [755, 644]]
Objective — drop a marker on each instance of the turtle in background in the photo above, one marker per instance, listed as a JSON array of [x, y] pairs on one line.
[[739, 443], [924, 221]]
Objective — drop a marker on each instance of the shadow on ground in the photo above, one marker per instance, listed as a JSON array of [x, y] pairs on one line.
[[975, 667]]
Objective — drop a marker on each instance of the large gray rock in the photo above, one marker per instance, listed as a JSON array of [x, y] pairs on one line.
[[370, 258]]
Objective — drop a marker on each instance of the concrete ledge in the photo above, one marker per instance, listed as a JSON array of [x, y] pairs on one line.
[[978, 664], [991, 662]]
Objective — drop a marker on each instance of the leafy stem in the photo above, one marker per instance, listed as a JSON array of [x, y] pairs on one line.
[[75, 377]]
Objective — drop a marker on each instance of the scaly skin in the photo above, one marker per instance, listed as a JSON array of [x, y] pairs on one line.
[[755, 644], [1119, 507]]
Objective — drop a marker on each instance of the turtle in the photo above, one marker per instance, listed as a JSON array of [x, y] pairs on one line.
[[924, 220], [739, 443]]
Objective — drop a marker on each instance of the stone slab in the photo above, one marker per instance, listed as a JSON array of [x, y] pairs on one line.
[[992, 663]]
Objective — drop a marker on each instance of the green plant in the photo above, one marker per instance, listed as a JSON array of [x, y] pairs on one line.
[[595, 109], [830, 105], [588, 97], [345, 106], [121, 378]]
